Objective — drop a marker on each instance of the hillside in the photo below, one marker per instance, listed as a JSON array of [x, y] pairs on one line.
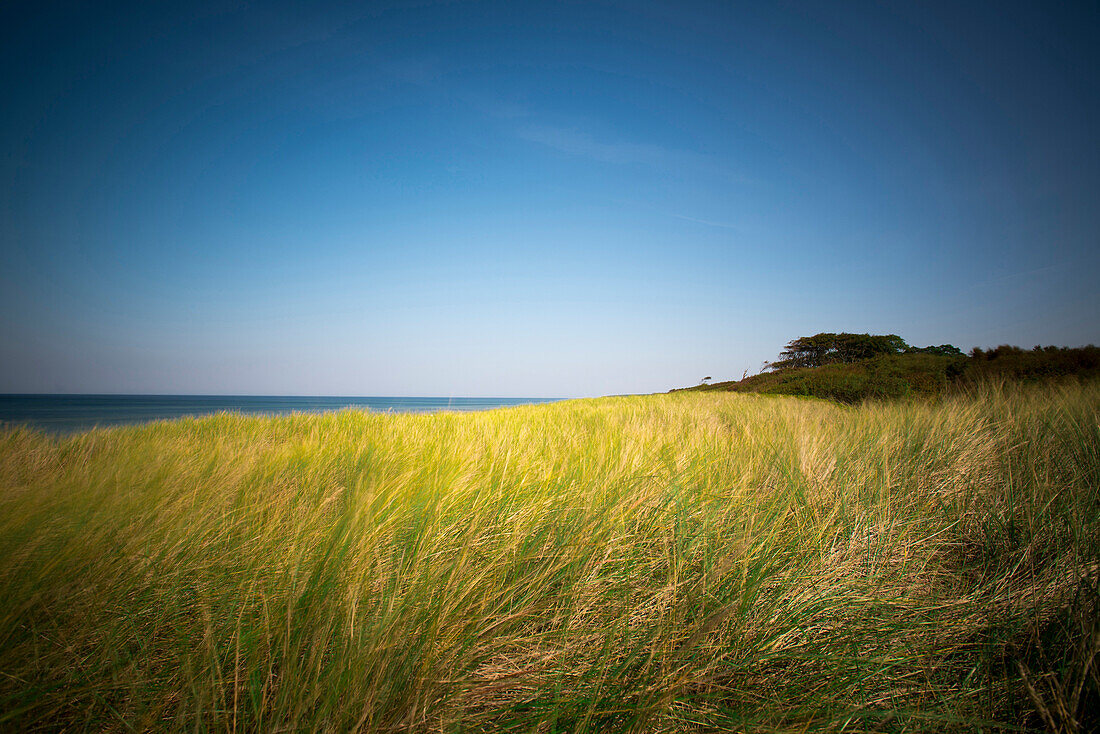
[[917, 374]]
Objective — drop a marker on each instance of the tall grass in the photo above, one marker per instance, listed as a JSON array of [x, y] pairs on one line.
[[686, 562]]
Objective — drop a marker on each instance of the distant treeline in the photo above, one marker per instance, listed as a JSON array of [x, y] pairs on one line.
[[855, 367]]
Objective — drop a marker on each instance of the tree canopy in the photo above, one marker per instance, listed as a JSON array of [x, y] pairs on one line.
[[943, 350], [827, 348]]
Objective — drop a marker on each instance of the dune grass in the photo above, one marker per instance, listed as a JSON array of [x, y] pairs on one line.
[[684, 562]]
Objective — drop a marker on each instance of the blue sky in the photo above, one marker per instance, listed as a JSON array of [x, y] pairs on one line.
[[533, 199]]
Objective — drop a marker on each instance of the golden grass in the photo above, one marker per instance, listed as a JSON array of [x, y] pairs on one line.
[[686, 562]]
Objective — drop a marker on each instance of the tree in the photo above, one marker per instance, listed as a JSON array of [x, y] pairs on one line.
[[828, 348], [943, 350]]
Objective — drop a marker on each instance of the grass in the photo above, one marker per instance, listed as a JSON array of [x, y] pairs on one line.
[[684, 562], [920, 375], [879, 378]]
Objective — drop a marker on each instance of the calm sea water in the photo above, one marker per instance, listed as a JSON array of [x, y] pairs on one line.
[[71, 413]]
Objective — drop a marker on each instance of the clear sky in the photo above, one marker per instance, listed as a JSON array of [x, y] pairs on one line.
[[533, 199]]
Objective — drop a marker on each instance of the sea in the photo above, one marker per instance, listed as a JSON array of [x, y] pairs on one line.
[[65, 414]]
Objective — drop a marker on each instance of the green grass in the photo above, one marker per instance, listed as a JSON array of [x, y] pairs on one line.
[[920, 375], [879, 378], [685, 562]]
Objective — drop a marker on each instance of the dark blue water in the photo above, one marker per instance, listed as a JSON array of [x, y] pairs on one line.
[[71, 413]]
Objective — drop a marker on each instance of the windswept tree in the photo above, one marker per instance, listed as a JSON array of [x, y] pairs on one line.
[[943, 350], [828, 348]]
